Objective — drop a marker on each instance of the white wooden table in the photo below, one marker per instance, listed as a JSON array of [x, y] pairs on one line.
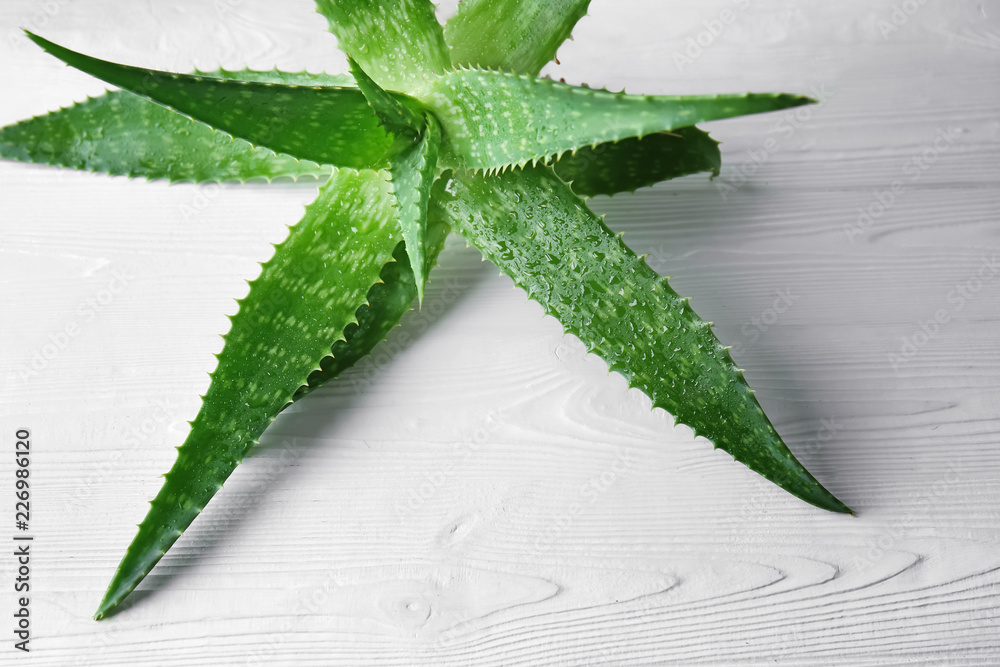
[[416, 511]]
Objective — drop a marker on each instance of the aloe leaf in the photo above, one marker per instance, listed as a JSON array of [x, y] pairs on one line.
[[396, 117], [121, 133], [304, 298], [630, 164], [124, 134], [514, 35], [282, 77], [532, 226], [494, 120], [325, 124], [398, 42], [412, 173], [388, 301]]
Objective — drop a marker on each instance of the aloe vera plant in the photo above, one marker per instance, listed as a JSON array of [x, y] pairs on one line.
[[435, 129]]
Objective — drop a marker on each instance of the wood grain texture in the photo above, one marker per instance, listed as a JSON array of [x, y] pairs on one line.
[[420, 510]]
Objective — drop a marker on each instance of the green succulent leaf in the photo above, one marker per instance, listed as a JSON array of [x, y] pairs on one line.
[[388, 301], [399, 43], [121, 133], [630, 164], [494, 120], [397, 117], [281, 77], [328, 125], [412, 173], [532, 226], [305, 297], [513, 35]]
